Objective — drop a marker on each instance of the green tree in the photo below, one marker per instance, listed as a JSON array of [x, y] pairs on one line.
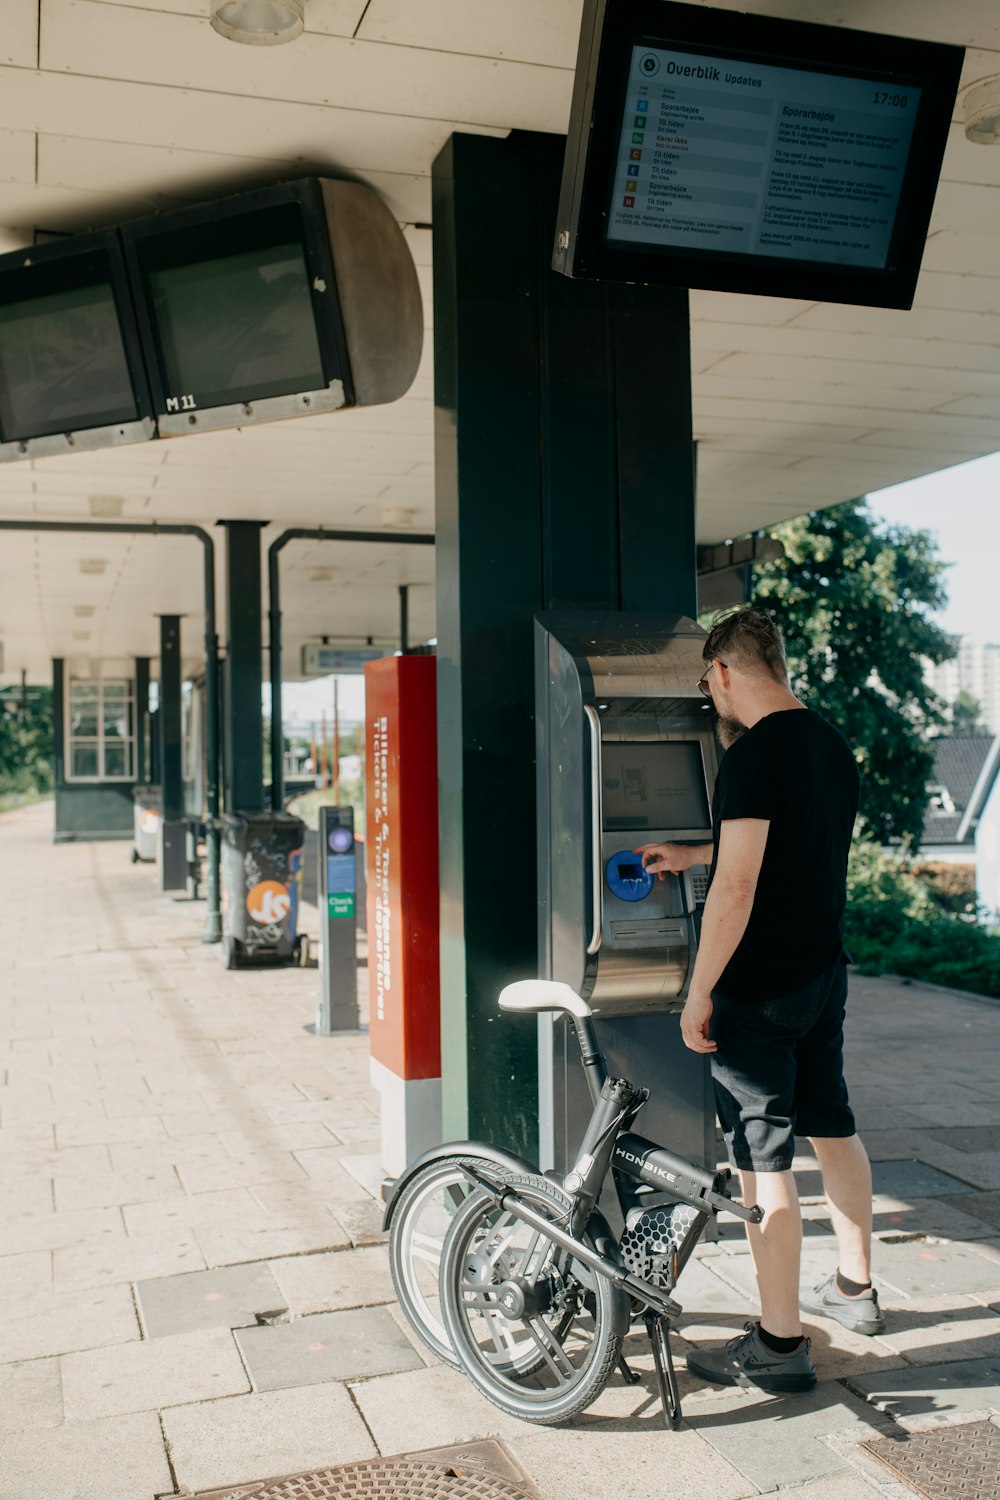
[[967, 715], [854, 599], [25, 741]]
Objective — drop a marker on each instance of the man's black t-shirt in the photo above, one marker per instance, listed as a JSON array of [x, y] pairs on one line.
[[798, 772]]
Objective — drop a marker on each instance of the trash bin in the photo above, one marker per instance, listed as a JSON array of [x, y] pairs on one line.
[[147, 818], [261, 887]]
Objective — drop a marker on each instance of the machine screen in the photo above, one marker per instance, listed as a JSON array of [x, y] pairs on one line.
[[649, 785]]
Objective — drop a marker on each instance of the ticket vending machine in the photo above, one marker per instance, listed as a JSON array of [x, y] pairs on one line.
[[626, 755]]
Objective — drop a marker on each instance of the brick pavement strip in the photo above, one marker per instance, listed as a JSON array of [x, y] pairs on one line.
[[154, 1373], [135, 1067]]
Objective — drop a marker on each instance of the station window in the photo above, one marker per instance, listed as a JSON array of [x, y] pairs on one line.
[[100, 729]]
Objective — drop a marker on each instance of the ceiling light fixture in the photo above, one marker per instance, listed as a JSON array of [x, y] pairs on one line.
[[92, 565], [258, 23], [106, 505], [83, 611], [982, 111]]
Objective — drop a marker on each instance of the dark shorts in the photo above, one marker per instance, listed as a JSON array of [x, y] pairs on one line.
[[779, 1071]]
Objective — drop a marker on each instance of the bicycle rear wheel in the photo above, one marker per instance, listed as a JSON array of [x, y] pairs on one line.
[[420, 1222], [507, 1289]]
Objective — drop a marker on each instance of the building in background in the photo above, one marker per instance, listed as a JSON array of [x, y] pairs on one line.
[[975, 671]]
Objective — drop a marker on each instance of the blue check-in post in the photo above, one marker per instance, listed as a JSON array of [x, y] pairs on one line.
[[338, 887]]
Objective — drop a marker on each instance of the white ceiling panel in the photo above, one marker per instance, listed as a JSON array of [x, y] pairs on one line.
[[19, 33], [85, 36], [334, 17], [138, 105], [521, 29]]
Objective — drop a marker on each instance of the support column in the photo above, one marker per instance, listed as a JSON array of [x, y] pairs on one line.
[[173, 863], [564, 477], [243, 677], [141, 718]]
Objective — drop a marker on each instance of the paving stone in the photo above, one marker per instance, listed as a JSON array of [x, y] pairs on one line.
[[242, 1438], [39, 1161], [325, 1283], [105, 1189], [970, 1139], [30, 1395], [156, 1372], [948, 1218], [429, 1408], [24, 1276], [188, 1210], [228, 1297], [929, 1269], [931, 1330], [778, 1441], [265, 1237], [565, 1464], [328, 1346], [103, 1131], [63, 1322], [232, 1171], [912, 1179], [120, 1458], [942, 1389], [984, 1206], [97, 1264]]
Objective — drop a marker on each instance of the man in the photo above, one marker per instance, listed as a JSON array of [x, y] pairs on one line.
[[766, 999]]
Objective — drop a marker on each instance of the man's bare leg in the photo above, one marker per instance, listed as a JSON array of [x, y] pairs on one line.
[[776, 1247], [847, 1182]]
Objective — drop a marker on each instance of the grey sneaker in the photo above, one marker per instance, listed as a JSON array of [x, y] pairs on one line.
[[860, 1314], [746, 1360]]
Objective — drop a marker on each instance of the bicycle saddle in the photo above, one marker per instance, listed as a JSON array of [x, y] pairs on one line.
[[543, 994]]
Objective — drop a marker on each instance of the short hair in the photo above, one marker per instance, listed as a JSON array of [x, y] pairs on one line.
[[749, 640]]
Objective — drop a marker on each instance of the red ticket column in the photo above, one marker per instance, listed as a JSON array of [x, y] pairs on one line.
[[402, 869]]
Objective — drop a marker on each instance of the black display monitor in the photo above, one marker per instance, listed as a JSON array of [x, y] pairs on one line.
[[282, 302], [734, 152], [238, 305], [70, 364], [654, 785]]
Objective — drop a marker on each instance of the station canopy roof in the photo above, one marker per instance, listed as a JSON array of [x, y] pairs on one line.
[[114, 108]]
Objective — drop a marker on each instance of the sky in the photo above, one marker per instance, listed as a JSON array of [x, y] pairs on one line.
[[961, 507]]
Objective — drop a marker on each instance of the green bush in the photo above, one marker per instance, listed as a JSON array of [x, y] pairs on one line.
[[894, 925]]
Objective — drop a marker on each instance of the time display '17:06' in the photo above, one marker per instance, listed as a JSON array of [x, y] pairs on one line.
[[897, 101]]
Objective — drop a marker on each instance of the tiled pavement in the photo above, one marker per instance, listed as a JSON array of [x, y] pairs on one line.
[[193, 1287]]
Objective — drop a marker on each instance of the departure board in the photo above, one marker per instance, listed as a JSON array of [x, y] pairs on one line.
[[751, 159], [737, 152]]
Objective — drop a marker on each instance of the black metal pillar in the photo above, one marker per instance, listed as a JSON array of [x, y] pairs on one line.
[[404, 617], [243, 676], [564, 476], [173, 861], [58, 721], [141, 718]]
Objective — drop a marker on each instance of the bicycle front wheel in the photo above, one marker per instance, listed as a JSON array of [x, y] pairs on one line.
[[506, 1288]]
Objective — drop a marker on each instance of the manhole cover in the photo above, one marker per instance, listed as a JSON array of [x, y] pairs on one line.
[[949, 1463], [390, 1479]]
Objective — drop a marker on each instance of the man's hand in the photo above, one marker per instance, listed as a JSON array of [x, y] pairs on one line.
[[696, 1018], [666, 859]]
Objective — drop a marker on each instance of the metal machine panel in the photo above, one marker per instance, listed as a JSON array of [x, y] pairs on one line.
[[625, 755]]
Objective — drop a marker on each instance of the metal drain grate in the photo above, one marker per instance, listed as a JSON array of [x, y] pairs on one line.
[[948, 1463], [387, 1479]]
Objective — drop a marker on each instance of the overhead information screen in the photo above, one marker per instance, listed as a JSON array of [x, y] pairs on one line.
[[238, 326], [650, 785], [737, 152], [69, 358], [760, 160], [63, 364]]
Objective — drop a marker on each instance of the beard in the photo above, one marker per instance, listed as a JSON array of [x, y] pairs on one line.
[[729, 730]]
